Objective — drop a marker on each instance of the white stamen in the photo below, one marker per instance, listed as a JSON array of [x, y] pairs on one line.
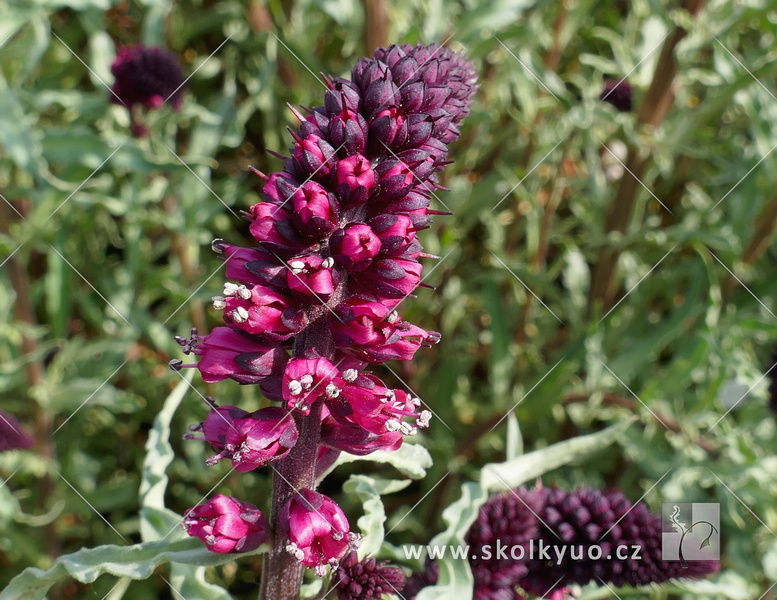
[[306, 380], [210, 539], [337, 535], [406, 428], [328, 263], [393, 425], [230, 289], [424, 418], [350, 375], [292, 548], [219, 303], [244, 292], [240, 315], [297, 265], [295, 387], [392, 317], [332, 390]]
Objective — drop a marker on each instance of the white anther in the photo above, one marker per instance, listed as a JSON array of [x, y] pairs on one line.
[[292, 548], [424, 418], [295, 387], [219, 303], [244, 292], [240, 315], [350, 375], [306, 380], [393, 425], [332, 390], [328, 263], [210, 539], [337, 535], [230, 289], [406, 428], [297, 265], [320, 570], [392, 317]]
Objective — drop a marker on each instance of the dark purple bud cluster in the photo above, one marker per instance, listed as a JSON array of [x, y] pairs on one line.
[[148, 76], [367, 579], [313, 305], [579, 519]]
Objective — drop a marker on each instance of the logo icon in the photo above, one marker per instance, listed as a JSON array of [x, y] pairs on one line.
[[691, 531]]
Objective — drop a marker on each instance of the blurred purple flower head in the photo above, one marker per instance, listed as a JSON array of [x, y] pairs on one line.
[[148, 76], [418, 581], [580, 519], [12, 435], [226, 525], [617, 93], [366, 579]]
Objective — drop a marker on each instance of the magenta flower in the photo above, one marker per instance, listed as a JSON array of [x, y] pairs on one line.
[[306, 380], [254, 440], [216, 425], [313, 278], [12, 435], [316, 211], [231, 354], [260, 310], [375, 333], [355, 246], [227, 525], [317, 529], [354, 439]]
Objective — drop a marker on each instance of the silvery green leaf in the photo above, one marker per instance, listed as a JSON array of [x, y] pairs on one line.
[[138, 561], [410, 459], [497, 477], [514, 442], [369, 491]]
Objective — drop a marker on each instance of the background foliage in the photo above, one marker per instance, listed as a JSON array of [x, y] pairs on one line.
[[105, 248]]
